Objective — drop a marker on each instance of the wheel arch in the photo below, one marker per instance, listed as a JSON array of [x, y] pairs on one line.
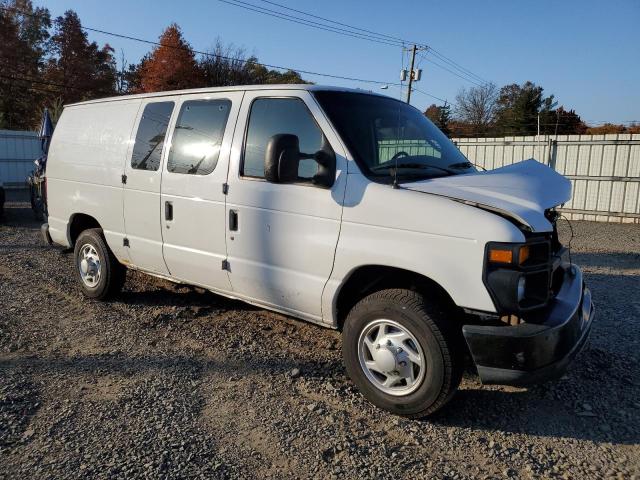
[[367, 279], [78, 223]]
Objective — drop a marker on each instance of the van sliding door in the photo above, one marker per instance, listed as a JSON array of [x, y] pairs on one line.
[[193, 202]]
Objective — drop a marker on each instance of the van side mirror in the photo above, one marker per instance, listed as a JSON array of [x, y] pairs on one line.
[[282, 160], [326, 160]]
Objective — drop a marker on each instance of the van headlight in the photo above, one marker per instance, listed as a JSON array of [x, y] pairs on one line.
[[517, 275]]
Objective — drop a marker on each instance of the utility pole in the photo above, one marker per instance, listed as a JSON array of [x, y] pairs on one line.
[[414, 75], [413, 60]]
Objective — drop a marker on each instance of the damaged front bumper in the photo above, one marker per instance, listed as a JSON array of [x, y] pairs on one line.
[[540, 349]]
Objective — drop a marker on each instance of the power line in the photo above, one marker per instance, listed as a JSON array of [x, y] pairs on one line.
[[338, 23], [428, 94], [60, 86], [224, 57], [209, 54], [457, 65], [369, 35], [308, 23], [35, 89], [621, 122], [450, 71], [60, 89], [378, 34], [509, 133]]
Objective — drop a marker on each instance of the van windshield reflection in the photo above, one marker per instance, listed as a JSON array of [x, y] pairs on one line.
[[390, 138]]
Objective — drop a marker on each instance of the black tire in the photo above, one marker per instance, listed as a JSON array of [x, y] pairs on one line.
[[112, 272], [32, 195], [38, 209], [437, 337]]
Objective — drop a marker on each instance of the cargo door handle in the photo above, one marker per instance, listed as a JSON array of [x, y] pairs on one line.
[[168, 211], [233, 221]]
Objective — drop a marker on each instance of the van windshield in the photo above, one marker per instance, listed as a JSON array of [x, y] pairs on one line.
[[389, 137]]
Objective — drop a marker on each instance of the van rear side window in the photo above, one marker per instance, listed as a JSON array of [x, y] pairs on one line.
[[152, 130], [197, 137]]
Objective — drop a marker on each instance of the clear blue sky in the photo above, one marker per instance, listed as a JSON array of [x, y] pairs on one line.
[[585, 52]]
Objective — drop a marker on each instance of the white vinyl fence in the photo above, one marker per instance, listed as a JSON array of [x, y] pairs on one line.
[[604, 169], [18, 150]]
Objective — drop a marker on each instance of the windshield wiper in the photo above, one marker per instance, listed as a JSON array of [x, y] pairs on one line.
[[420, 166], [461, 165], [466, 165]]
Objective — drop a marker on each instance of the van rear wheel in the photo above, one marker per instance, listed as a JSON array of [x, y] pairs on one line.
[[401, 353], [101, 275]]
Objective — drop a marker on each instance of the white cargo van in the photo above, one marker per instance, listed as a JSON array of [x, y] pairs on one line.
[[340, 207]]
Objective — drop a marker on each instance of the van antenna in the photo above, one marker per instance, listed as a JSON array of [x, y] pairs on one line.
[[395, 169]]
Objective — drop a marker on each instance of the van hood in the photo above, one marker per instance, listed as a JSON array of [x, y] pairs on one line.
[[522, 191]]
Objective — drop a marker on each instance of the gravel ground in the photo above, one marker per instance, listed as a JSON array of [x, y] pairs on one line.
[[174, 382]]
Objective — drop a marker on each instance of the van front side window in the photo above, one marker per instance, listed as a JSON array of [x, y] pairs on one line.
[[147, 150], [197, 137], [272, 116]]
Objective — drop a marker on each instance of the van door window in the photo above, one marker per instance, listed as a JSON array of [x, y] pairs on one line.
[[152, 129], [197, 137], [271, 116]]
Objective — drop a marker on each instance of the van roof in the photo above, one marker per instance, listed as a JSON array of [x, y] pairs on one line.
[[304, 86]]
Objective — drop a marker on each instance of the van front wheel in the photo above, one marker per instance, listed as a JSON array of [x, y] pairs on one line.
[[401, 353], [100, 274]]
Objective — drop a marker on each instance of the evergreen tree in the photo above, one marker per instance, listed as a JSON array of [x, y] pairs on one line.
[[78, 70], [518, 107], [568, 123], [23, 45]]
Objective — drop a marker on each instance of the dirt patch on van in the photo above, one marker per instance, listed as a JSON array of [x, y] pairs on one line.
[[171, 381]]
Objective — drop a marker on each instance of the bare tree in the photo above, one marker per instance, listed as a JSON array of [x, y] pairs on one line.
[[226, 65], [121, 77], [229, 65], [476, 106]]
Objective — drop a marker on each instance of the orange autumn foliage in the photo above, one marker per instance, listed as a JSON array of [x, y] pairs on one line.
[[170, 66]]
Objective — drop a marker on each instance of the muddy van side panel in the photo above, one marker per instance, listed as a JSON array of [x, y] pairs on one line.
[[84, 172]]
